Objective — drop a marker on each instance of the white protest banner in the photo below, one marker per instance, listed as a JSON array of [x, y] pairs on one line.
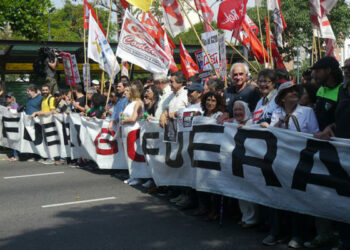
[[249, 163], [138, 47], [210, 41], [256, 165], [135, 159], [10, 132], [223, 63]]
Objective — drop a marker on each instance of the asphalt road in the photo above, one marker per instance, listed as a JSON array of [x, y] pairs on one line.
[[40, 212]]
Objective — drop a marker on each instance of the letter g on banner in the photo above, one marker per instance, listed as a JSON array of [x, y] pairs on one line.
[[131, 139], [106, 137]]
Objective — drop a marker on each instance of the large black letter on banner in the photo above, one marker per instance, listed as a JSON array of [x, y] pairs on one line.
[[179, 161], [338, 178], [6, 129], [204, 146], [51, 133], [38, 134], [149, 151], [239, 158], [77, 128], [66, 136]]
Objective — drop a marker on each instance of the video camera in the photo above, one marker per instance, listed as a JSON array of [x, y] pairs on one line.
[[45, 52]]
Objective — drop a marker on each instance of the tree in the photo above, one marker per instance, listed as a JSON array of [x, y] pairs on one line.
[[26, 18], [298, 32], [67, 23]]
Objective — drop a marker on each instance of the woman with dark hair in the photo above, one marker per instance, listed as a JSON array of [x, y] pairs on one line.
[[290, 115], [308, 97], [266, 105], [212, 104], [98, 103], [150, 100]]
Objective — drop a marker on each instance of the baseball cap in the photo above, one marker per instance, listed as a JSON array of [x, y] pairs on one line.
[[326, 62], [9, 94], [95, 82], [195, 86]]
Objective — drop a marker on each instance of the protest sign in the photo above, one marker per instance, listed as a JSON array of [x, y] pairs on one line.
[[210, 41]]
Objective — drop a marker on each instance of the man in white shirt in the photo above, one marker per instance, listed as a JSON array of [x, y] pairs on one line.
[[162, 83], [179, 100]]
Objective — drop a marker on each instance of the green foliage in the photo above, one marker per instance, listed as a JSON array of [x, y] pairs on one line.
[[189, 37], [298, 32], [26, 18], [67, 23]]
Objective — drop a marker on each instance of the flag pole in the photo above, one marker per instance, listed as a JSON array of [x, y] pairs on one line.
[[109, 21], [268, 20], [261, 35], [199, 39], [85, 61], [319, 47], [229, 44]]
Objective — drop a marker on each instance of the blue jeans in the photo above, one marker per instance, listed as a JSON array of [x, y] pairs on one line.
[[15, 154]]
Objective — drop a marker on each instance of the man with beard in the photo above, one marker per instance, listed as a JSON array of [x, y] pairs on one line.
[[120, 104], [328, 75], [47, 103], [340, 128]]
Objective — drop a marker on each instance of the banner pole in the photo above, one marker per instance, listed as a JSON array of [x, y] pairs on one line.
[[199, 39], [109, 21], [261, 35], [229, 44], [268, 20], [319, 47], [85, 60]]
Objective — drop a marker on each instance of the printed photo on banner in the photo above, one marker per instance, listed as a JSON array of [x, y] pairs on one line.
[[185, 119], [170, 131]]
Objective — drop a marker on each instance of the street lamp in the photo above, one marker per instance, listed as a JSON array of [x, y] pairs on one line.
[[50, 11]]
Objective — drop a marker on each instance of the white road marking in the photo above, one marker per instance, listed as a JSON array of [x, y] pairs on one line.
[[78, 202], [32, 175]]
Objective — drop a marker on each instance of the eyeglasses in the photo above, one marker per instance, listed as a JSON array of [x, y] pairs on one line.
[[346, 68]]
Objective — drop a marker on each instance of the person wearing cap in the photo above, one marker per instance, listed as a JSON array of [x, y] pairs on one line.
[[61, 103], [329, 76], [11, 101], [194, 94], [290, 115], [96, 85], [179, 100], [340, 128]]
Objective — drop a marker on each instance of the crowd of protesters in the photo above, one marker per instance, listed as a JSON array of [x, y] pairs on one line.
[[320, 105]]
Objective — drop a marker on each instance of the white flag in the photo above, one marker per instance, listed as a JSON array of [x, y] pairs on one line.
[[138, 47], [99, 49]]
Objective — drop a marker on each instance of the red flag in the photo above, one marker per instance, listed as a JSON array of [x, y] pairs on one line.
[[249, 40], [231, 14], [87, 9], [276, 56], [172, 17], [207, 12], [188, 66], [330, 47], [252, 25], [124, 3], [155, 29], [280, 24], [167, 49]]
